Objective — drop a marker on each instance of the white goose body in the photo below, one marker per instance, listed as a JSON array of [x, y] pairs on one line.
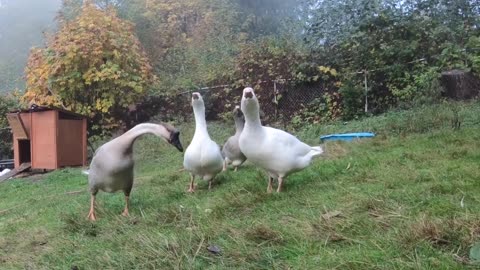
[[203, 157], [274, 150], [277, 151]]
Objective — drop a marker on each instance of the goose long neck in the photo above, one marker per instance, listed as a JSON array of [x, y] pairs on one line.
[[200, 122], [130, 136], [252, 115], [239, 124]]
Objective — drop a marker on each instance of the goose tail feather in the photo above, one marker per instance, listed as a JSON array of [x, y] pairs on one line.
[[86, 172], [316, 151]]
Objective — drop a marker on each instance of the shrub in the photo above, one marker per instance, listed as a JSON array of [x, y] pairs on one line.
[[94, 65], [7, 103]]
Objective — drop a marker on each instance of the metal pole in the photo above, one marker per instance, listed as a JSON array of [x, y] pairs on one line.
[[366, 90], [275, 98]]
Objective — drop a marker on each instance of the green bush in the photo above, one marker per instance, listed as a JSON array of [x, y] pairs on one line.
[[421, 88], [324, 109], [7, 103], [352, 100], [472, 50]]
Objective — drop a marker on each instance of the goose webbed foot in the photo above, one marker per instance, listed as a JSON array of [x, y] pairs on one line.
[[269, 188], [191, 188], [280, 182], [125, 211], [225, 166], [127, 201], [91, 214]]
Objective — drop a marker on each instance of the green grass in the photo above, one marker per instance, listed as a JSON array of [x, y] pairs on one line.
[[399, 195]]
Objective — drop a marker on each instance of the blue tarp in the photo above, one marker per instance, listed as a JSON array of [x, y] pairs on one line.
[[347, 136]]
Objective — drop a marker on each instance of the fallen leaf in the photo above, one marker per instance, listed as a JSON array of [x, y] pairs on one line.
[[331, 214], [214, 249]]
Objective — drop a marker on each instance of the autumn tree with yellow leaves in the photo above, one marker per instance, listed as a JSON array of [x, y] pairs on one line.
[[94, 65]]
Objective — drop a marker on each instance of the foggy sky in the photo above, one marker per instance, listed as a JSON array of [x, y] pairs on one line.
[[21, 25]]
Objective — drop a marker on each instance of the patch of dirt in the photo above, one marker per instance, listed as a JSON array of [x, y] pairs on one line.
[[335, 150], [32, 176], [262, 233]]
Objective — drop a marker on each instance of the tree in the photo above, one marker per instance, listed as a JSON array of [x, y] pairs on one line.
[[403, 44], [70, 9], [190, 42], [272, 59], [330, 22], [259, 18], [8, 102], [194, 43], [94, 65]]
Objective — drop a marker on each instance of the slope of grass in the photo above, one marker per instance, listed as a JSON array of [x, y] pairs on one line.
[[403, 200]]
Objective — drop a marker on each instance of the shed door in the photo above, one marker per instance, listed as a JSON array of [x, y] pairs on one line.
[[43, 138], [17, 126]]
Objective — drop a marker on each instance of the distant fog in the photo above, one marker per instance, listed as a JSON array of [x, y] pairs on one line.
[[22, 23]]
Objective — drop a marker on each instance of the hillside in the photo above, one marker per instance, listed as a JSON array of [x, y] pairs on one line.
[[407, 199]]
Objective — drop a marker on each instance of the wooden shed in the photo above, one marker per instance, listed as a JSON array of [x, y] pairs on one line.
[[48, 138]]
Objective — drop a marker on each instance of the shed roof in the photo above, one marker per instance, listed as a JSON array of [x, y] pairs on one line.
[[36, 108]]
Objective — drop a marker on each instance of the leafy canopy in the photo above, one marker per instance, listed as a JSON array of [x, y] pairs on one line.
[[94, 65], [404, 45]]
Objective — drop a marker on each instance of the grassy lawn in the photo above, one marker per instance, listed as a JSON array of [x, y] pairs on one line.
[[407, 199]]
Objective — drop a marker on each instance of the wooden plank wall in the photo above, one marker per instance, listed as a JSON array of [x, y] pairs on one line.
[[70, 143], [43, 140]]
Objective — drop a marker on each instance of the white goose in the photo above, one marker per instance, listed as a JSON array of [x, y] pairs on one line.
[[231, 151], [274, 150], [202, 157], [111, 168]]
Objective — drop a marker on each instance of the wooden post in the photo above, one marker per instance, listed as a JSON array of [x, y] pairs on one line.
[[275, 98], [366, 90], [56, 116], [84, 141]]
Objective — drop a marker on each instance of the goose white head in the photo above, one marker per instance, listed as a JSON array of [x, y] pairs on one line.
[[197, 100], [238, 114], [198, 105], [250, 106]]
